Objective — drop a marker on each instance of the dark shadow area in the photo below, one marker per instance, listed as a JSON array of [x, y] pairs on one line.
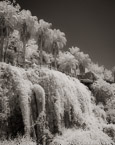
[[15, 124]]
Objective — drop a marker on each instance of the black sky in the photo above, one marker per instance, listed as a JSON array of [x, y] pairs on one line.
[[88, 24]]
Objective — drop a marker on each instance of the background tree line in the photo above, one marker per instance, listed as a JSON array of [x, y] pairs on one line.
[[25, 40]]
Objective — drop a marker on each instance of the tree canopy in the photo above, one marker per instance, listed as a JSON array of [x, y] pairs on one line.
[[37, 42]]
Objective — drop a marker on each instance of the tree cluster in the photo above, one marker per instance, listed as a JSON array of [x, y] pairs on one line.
[[25, 40]]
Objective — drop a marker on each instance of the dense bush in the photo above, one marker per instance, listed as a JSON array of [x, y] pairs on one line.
[[100, 113], [110, 130], [80, 137], [66, 103], [10, 112], [102, 91]]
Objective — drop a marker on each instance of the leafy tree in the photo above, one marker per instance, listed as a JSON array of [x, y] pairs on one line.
[[82, 58], [46, 57], [102, 91], [26, 27], [58, 41], [67, 62], [13, 48], [111, 115], [98, 70], [99, 112], [109, 129], [108, 75], [42, 36], [8, 21], [31, 48], [32, 53]]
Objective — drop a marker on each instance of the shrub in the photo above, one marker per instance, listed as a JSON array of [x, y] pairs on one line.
[[99, 112], [80, 137], [110, 130], [102, 91]]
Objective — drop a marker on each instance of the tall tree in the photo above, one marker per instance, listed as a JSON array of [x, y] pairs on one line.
[[98, 70], [58, 41], [26, 27], [108, 75], [67, 62], [8, 21], [14, 47], [82, 58], [42, 36], [2, 36]]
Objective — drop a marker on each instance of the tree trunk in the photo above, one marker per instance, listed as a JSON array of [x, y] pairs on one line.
[[6, 47], [24, 40], [82, 69], [74, 72], [41, 51], [55, 55], [18, 57], [24, 52], [114, 76], [55, 60], [1, 48]]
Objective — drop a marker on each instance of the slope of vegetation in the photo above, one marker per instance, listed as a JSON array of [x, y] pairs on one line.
[[50, 104], [49, 96]]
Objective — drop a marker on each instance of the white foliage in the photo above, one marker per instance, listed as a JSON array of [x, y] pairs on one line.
[[31, 48], [98, 70], [67, 61], [23, 89], [80, 137], [67, 90], [57, 37], [82, 58], [108, 75]]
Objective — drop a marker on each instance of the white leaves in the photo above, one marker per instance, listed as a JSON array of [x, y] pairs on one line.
[[27, 24], [43, 25], [58, 38], [108, 75], [98, 70], [67, 61], [43, 29], [31, 49], [83, 59], [9, 12], [74, 50], [103, 91]]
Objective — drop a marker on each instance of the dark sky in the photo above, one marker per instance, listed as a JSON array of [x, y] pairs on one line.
[[88, 24]]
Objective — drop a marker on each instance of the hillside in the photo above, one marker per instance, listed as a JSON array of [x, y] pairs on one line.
[[50, 94], [51, 107]]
